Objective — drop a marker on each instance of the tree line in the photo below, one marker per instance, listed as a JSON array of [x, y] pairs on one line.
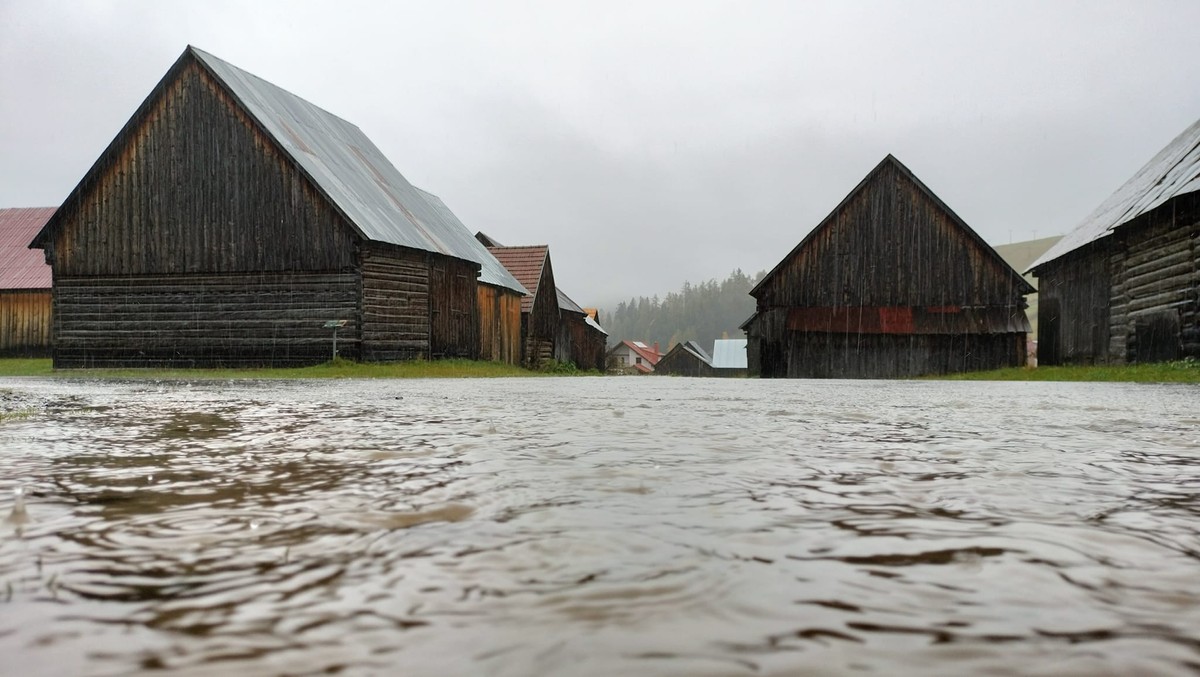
[[702, 312]]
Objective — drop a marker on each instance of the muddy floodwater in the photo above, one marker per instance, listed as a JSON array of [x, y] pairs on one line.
[[598, 526]]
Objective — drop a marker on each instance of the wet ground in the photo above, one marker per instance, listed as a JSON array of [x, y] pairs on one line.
[[587, 526]]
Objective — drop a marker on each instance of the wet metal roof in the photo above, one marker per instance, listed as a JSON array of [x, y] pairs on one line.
[[1173, 172], [344, 164], [695, 349], [565, 303], [491, 271], [729, 354], [20, 266]]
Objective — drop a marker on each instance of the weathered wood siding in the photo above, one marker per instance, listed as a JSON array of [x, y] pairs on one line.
[[681, 363], [865, 294], [1073, 308], [453, 308], [395, 304], [1131, 297], [540, 325], [202, 320], [587, 346], [499, 324], [819, 355], [197, 188], [25, 322], [890, 245]]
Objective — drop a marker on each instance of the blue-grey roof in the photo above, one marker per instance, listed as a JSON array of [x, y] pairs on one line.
[[695, 349], [1173, 172], [729, 354], [491, 270], [351, 171], [565, 303]]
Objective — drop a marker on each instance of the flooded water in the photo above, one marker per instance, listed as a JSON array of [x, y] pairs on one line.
[[599, 526]]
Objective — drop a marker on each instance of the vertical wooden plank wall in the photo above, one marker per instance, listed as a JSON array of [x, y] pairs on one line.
[[499, 324], [25, 322]]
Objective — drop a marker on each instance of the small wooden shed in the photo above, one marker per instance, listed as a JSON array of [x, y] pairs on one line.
[[686, 358], [581, 340], [891, 284], [230, 222], [25, 284], [1124, 285], [531, 267]]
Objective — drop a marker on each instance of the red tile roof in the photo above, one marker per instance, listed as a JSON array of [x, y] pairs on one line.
[[525, 264], [20, 266], [648, 353]]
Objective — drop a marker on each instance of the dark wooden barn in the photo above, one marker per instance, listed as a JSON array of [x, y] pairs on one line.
[[25, 284], [686, 358], [498, 299], [1124, 285], [230, 221], [891, 284], [539, 309], [581, 340]]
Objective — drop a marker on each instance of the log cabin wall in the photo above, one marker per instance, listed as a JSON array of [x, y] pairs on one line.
[[395, 303], [1155, 285], [25, 322], [499, 324], [199, 320]]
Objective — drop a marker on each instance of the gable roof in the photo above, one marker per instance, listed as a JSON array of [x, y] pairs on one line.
[[891, 161], [337, 158], [729, 354], [695, 349], [525, 264], [20, 266], [1173, 172], [491, 271], [565, 303]]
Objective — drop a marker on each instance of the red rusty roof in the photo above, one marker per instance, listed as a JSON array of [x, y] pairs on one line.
[[648, 353], [20, 266], [525, 264]]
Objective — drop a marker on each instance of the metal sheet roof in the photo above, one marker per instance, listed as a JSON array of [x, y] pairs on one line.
[[565, 303], [344, 164], [695, 349], [20, 266], [491, 271], [729, 354], [1174, 171]]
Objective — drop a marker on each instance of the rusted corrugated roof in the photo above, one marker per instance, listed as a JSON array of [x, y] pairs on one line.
[[525, 264], [20, 266], [491, 271], [1173, 172]]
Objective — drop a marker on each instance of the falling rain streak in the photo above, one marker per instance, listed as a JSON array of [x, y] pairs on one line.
[[558, 526]]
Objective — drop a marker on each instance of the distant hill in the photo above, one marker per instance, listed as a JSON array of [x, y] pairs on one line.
[[1020, 255]]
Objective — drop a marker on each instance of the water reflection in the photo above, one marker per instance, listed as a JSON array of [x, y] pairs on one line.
[[599, 526]]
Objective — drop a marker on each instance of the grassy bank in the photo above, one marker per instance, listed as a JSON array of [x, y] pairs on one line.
[[1184, 371], [338, 369]]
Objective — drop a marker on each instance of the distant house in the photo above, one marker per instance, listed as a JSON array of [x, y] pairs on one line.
[[686, 358], [729, 357], [1124, 285], [25, 280], [891, 284], [498, 299], [231, 222], [633, 357]]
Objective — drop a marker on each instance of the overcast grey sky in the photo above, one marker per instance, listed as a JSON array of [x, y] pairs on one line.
[[649, 143]]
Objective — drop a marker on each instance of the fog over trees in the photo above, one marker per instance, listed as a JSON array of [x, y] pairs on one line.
[[701, 312]]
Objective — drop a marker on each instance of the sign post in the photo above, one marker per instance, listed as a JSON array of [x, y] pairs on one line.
[[334, 325]]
